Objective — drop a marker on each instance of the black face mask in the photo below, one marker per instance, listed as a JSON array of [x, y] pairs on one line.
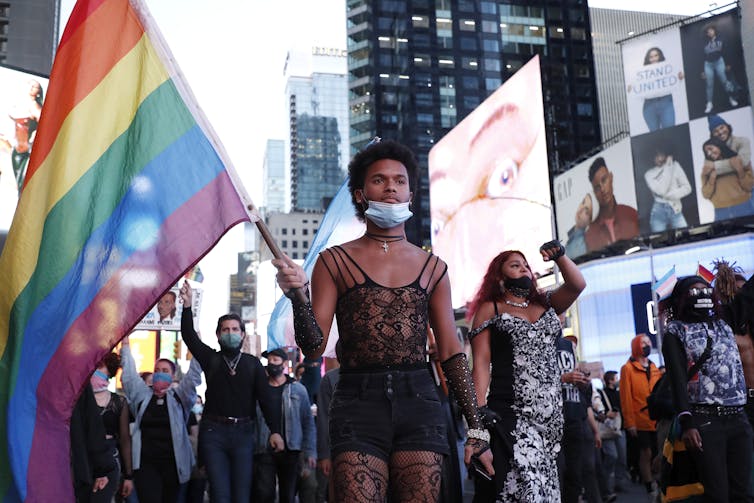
[[519, 287], [645, 351], [698, 305], [274, 370]]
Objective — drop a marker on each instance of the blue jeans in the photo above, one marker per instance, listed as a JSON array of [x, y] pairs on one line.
[[662, 217], [614, 463], [228, 452], [712, 69], [659, 112], [735, 211]]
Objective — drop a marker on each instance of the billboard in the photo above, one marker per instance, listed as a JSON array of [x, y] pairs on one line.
[[688, 159], [21, 98], [596, 201], [489, 185]]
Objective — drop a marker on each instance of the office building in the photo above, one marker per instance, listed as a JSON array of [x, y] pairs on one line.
[[317, 103], [418, 68], [273, 176], [29, 34]]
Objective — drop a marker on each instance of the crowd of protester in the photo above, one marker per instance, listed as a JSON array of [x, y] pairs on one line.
[[401, 416]]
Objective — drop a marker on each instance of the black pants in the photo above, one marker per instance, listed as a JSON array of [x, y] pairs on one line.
[[157, 482], [570, 460], [283, 465], [725, 460]]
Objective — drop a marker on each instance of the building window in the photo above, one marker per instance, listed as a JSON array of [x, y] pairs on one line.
[[470, 102], [470, 82], [305, 232], [584, 109], [489, 26], [420, 21], [445, 62], [284, 231], [578, 34], [294, 244], [469, 44], [488, 7], [491, 45], [422, 60], [469, 63], [284, 243], [424, 118], [294, 256], [305, 244], [491, 64], [492, 84], [293, 232], [423, 100], [466, 25]]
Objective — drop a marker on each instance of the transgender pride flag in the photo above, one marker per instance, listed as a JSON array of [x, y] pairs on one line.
[[127, 188]]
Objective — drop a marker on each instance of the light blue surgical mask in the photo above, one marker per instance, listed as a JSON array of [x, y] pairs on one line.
[[387, 215], [197, 408], [231, 340]]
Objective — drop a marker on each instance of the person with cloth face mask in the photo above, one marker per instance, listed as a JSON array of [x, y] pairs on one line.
[[709, 389], [515, 327], [638, 377], [236, 382], [161, 449], [387, 428], [299, 435]]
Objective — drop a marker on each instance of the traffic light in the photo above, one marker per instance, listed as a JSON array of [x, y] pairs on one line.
[[177, 350]]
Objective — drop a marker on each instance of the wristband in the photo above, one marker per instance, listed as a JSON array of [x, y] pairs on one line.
[[479, 434]]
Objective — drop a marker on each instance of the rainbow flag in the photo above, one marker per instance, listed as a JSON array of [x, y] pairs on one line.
[[705, 273], [127, 188]]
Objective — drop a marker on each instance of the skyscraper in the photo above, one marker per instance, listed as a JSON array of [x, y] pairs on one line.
[[417, 68], [318, 150], [273, 176], [29, 34]]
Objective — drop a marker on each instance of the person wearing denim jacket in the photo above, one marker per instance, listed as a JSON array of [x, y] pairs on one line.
[[298, 431], [178, 400]]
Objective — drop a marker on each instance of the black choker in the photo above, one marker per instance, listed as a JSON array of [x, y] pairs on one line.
[[384, 239]]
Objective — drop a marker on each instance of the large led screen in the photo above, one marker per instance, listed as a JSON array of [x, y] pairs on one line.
[[688, 159], [489, 186], [21, 98], [596, 201]]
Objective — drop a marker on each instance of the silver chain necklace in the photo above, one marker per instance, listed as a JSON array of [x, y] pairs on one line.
[[522, 305], [233, 363]]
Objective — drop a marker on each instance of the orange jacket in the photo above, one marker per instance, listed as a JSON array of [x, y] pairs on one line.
[[635, 385]]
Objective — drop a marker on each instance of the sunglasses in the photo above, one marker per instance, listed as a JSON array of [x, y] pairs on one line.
[[696, 292]]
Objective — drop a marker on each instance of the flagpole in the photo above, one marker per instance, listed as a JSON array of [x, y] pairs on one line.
[[655, 304]]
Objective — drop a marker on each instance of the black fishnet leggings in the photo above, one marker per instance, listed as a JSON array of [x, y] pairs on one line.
[[411, 476]]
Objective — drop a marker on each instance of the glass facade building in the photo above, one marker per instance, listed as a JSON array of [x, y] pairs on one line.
[[273, 176], [318, 148], [416, 68]]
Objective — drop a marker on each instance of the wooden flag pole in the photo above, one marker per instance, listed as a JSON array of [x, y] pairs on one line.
[[274, 248]]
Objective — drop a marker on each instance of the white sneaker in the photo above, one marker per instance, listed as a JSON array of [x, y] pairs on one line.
[[733, 102], [708, 108]]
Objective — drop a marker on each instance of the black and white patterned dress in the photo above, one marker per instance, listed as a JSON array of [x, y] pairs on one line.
[[525, 390]]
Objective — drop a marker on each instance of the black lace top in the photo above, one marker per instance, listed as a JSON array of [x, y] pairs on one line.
[[378, 325]]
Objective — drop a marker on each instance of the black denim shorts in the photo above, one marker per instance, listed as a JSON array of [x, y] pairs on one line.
[[386, 411]]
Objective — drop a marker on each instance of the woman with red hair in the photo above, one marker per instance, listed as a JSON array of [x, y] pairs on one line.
[[515, 328]]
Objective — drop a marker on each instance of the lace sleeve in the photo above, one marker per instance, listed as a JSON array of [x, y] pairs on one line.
[[458, 375], [307, 332]]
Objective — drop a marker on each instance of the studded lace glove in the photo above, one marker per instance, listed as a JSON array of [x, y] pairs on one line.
[[456, 369], [308, 334]]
